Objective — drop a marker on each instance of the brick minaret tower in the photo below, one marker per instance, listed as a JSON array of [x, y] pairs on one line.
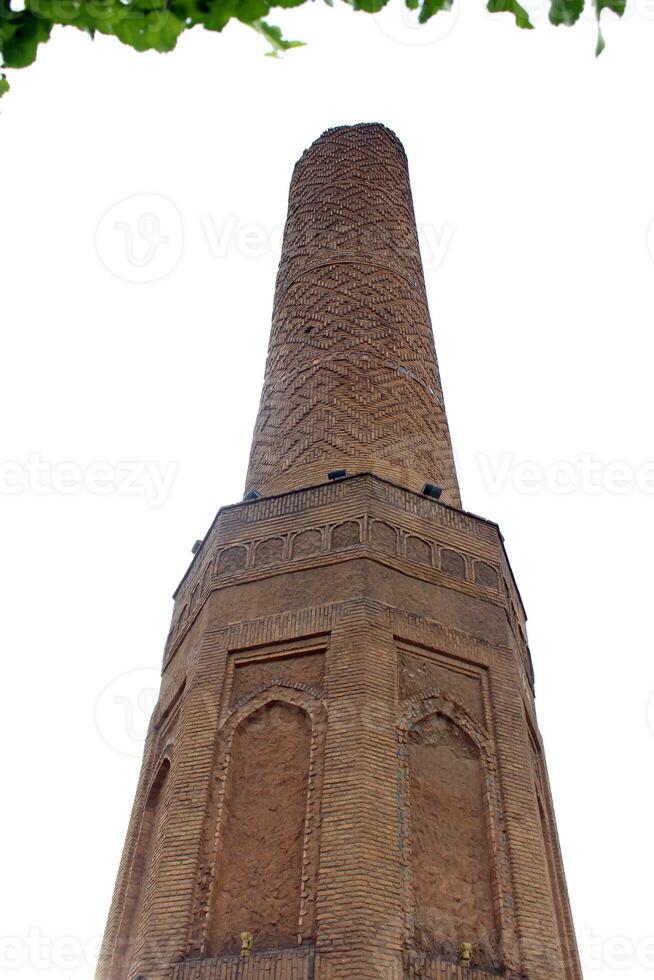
[[343, 778]]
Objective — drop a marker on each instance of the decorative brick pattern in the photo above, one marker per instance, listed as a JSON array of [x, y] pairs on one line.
[[351, 378], [418, 709], [285, 692], [421, 966], [273, 964], [364, 532], [367, 638]]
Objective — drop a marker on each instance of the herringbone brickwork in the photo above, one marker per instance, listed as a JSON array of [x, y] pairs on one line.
[[351, 378], [344, 764]]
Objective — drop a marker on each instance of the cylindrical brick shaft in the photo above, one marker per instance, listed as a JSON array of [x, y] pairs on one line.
[[351, 379]]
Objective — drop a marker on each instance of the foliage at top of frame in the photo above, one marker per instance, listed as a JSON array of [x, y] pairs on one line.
[[157, 24]]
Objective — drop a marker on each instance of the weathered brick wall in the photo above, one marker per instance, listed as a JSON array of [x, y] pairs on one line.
[[344, 759], [368, 633]]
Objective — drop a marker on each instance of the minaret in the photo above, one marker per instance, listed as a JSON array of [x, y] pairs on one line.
[[351, 378], [343, 778]]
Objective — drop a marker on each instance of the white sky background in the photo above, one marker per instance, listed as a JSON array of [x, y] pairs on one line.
[[533, 167]]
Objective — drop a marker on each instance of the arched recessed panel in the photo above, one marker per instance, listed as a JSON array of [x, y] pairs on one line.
[[206, 578], [453, 564], [418, 550], [258, 875], [231, 560], [269, 551], [451, 862], [485, 575], [138, 879], [307, 543], [383, 537], [345, 535]]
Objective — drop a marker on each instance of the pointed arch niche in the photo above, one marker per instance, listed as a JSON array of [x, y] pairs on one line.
[[265, 856], [447, 834], [140, 871]]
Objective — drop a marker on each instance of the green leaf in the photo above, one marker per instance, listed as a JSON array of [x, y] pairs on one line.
[[511, 7], [565, 12], [100, 15], [286, 3], [149, 29], [274, 36], [431, 7], [369, 6], [248, 11], [215, 14], [617, 7], [212, 15], [157, 24], [601, 43], [57, 11], [22, 37]]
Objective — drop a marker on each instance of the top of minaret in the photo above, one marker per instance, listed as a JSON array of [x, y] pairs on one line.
[[351, 379]]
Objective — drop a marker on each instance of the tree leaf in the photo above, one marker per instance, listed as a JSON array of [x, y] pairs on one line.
[[286, 3], [248, 11], [157, 24], [22, 38], [217, 15], [511, 7], [369, 6], [431, 7], [147, 29], [601, 43], [565, 12], [617, 7], [274, 37]]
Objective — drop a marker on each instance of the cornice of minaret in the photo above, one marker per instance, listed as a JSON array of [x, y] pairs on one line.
[[351, 379]]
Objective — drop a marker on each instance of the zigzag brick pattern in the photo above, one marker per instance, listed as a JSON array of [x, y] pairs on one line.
[[344, 762], [351, 378]]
